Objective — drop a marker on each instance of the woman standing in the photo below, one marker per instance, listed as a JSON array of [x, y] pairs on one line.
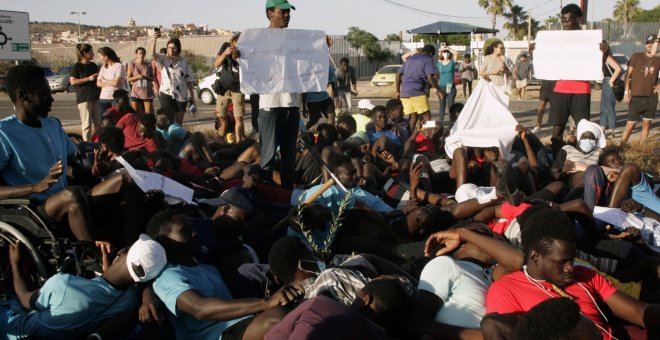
[[176, 84], [494, 66], [446, 66], [468, 73], [611, 71], [140, 75], [83, 75], [111, 77]]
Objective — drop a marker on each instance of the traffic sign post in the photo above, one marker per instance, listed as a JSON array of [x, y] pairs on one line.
[[15, 36]]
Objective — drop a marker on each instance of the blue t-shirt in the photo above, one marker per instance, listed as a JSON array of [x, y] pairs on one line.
[[27, 153], [315, 97], [174, 136], [206, 281], [67, 307], [391, 135], [446, 73], [413, 75]]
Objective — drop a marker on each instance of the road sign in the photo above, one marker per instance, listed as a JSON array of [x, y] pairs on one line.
[[14, 36]]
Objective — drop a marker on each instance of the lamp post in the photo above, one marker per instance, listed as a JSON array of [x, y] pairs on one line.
[[78, 13]]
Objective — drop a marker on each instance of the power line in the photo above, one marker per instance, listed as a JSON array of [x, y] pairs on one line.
[[433, 13], [541, 5]]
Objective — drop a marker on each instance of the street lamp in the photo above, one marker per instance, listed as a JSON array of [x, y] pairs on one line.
[[78, 13]]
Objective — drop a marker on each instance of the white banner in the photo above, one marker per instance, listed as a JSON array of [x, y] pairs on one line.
[[568, 55], [274, 60]]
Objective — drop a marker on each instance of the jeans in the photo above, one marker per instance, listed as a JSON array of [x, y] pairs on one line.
[[468, 84], [346, 100], [279, 127], [104, 105], [607, 102], [446, 102]]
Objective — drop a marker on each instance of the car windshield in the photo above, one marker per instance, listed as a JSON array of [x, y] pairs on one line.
[[389, 69], [621, 59], [65, 71]]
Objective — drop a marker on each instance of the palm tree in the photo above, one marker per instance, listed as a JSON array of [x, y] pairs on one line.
[[495, 8], [551, 23], [517, 22], [624, 11], [536, 26]]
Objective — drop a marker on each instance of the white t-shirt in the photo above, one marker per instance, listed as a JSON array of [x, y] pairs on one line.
[[462, 286], [112, 72], [273, 100]]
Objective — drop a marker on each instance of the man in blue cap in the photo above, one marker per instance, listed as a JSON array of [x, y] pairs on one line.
[[279, 113]]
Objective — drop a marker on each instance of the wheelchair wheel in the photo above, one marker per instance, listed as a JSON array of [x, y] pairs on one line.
[[33, 269]]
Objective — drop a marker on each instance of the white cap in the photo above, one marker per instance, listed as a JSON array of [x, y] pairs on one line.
[[468, 191], [365, 104], [149, 255]]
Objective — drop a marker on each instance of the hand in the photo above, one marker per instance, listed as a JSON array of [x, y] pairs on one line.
[[522, 131], [443, 242], [656, 88], [305, 113], [106, 249], [627, 97], [157, 35], [101, 163], [387, 157], [568, 167], [435, 91], [532, 47], [286, 295], [415, 174], [16, 253], [53, 176], [93, 77], [328, 40], [628, 233], [612, 176], [631, 205], [611, 82], [397, 95], [150, 310]]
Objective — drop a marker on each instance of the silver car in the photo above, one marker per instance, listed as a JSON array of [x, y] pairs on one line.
[[60, 81]]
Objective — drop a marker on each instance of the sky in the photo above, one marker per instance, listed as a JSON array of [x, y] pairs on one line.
[[380, 17]]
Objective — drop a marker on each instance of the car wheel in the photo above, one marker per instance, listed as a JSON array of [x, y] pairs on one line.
[[207, 97]]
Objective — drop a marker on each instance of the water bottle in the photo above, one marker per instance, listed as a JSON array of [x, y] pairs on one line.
[[193, 109]]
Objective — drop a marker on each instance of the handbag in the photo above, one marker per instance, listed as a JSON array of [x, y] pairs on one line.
[[619, 86]]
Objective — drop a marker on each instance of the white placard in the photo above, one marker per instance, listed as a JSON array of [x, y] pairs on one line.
[[274, 60], [568, 55], [15, 36], [146, 181]]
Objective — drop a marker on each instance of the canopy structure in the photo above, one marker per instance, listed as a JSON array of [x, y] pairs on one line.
[[446, 27]]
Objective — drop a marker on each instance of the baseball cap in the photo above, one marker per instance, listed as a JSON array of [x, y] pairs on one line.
[[283, 4], [237, 196], [650, 38], [148, 255], [365, 104]]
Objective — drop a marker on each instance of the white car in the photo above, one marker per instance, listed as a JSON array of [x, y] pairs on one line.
[[205, 88]]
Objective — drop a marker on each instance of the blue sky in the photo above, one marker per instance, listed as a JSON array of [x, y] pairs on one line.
[[379, 17]]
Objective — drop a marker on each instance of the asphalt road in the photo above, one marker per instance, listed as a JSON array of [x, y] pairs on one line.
[[64, 108]]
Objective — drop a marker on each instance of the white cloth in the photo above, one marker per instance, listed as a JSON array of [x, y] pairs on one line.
[[461, 285], [587, 126], [484, 122], [468, 191]]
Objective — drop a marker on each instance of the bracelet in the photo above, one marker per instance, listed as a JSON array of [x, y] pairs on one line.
[[95, 336]]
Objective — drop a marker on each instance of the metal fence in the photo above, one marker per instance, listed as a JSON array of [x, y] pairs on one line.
[[363, 67], [626, 38]]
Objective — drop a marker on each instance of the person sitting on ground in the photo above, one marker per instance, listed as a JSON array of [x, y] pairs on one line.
[[394, 109], [363, 117], [77, 306], [380, 128], [121, 105], [173, 134], [451, 296], [375, 314], [549, 243], [198, 302], [139, 132], [571, 162]]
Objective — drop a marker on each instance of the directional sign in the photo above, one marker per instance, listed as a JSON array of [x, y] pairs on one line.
[[14, 36]]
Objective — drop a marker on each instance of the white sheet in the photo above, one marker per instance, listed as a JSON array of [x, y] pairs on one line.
[[484, 122]]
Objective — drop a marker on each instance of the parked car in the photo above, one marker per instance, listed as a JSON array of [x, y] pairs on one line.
[[385, 76], [60, 81], [623, 61], [205, 90]]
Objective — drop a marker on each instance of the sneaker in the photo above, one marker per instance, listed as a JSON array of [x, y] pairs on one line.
[[536, 129], [609, 134], [506, 184]]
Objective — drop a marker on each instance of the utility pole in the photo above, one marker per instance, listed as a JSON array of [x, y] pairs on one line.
[[529, 27], [78, 13]]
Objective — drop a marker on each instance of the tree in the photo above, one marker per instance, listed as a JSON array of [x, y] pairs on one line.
[[536, 26], [495, 8], [652, 15], [393, 37], [551, 23], [624, 11], [198, 63], [368, 43], [517, 24]]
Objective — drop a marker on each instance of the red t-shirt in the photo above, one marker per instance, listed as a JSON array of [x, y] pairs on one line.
[[424, 143], [508, 212], [516, 293], [130, 124], [573, 86]]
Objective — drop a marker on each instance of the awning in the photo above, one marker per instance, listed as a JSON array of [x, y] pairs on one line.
[[446, 27]]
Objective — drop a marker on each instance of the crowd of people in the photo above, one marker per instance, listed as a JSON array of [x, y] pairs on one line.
[[360, 225]]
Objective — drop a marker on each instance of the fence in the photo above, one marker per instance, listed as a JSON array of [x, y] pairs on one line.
[[626, 38], [363, 67]]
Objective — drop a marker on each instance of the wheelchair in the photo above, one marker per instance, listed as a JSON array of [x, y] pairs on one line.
[[46, 252]]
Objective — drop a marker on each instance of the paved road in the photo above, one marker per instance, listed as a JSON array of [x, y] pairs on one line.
[[65, 109]]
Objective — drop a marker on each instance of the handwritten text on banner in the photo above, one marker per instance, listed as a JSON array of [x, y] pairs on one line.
[[568, 55], [283, 60]]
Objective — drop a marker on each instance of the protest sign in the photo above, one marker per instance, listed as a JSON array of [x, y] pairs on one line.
[[283, 60], [568, 55], [146, 181]]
